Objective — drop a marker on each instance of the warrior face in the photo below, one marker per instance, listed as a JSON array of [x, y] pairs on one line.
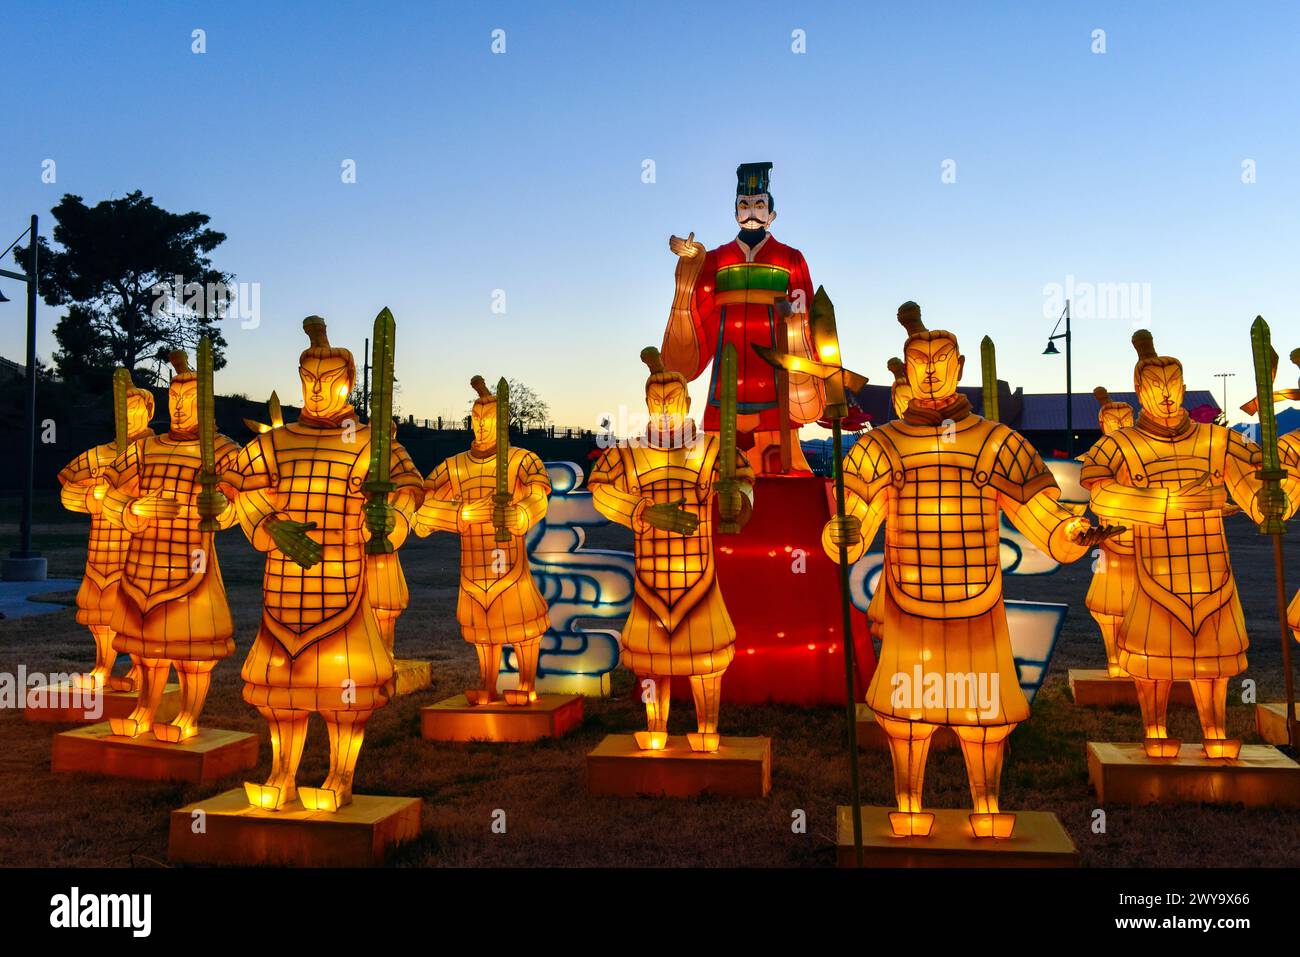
[[668, 404], [1116, 416], [139, 410], [326, 384], [934, 366], [754, 211], [483, 420], [1159, 384], [182, 404]]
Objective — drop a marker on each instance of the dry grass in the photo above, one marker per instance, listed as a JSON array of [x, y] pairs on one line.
[[63, 821]]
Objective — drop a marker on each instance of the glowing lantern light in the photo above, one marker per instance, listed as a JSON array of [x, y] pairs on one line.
[[945, 604], [492, 495]]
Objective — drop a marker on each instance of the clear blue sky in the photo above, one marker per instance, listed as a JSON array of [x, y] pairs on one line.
[[522, 171]]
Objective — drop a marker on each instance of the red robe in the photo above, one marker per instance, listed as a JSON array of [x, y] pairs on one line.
[[737, 307]]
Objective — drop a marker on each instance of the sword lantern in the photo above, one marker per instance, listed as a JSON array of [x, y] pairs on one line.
[[381, 422], [727, 394], [121, 426], [989, 386], [501, 498], [1272, 474], [207, 431], [828, 367]]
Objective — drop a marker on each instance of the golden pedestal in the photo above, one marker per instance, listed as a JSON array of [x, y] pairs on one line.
[[208, 756], [225, 829], [64, 704], [411, 674], [1095, 688], [741, 767], [1270, 721], [1261, 776], [1038, 840], [872, 736], [550, 716]]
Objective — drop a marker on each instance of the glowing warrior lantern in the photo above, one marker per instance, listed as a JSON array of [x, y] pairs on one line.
[[750, 291], [937, 480], [662, 486], [1114, 574], [491, 495], [83, 491], [171, 605], [1170, 478], [311, 498]]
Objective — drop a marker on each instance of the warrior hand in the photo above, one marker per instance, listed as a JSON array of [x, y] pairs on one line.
[[155, 506], [687, 248], [1271, 501], [212, 504], [381, 518], [95, 499], [1082, 532], [730, 501], [1198, 495], [845, 530], [292, 539], [671, 517], [475, 512]]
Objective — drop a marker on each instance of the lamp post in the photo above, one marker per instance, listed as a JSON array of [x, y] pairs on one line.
[[1225, 376], [1051, 350], [25, 564]]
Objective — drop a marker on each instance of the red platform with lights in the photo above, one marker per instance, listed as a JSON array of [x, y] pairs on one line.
[[783, 594]]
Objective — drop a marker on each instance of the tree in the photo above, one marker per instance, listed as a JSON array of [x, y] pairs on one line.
[[526, 407], [137, 281]]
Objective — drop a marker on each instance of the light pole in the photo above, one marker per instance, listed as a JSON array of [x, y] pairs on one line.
[[25, 564], [1051, 350], [1225, 376]]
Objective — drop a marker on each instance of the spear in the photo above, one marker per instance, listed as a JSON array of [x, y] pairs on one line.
[[727, 391], [989, 368], [121, 426], [1271, 474], [381, 422]]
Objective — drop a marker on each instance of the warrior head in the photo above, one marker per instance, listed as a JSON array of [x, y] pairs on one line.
[[139, 409], [755, 210], [1111, 416], [1158, 379], [182, 395], [328, 374], [666, 398], [934, 361], [483, 417], [900, 393]]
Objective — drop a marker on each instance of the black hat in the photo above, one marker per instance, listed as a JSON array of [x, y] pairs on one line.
[[753, 178]]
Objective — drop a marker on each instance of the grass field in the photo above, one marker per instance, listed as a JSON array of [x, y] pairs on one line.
[[87, 821]]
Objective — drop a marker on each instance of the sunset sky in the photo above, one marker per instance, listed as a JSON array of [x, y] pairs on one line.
[[523, 172]]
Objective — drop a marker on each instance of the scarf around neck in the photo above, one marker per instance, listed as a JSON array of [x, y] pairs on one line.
[[1148, 423], [955, 409]]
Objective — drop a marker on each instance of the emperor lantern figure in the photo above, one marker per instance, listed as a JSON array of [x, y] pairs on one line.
[[751, 291], [1170, 477], [491, 495], [304, 501], [937, 479], [171, 606], [662, 486], [1115, 573], [82, 491]]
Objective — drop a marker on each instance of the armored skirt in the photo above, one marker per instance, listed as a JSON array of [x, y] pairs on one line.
[[1111, 589], [704, 641], [949, 671], [1156, 644], [194, 626]]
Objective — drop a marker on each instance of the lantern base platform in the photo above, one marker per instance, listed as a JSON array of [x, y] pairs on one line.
[[1095, 688], [359, 834], [210, 755], [411, 674], [1038, 840], [455, 719], [871, 735], [1270, 721], [65, 704], [1261, 776], [740, 768]]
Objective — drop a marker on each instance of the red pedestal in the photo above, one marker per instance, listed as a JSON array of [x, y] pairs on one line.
[[783, 594]]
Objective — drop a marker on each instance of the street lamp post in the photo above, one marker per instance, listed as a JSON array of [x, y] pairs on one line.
[[1225, 376], [1051, 350], [26, 564]]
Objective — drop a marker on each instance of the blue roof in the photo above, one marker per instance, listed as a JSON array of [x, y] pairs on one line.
[[1045, 412]]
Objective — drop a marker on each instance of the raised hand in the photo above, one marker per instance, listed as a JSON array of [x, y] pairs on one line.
[[212, 504], [381, 518], [155, 506], [671, 517], [1198, 495], [687, 248], [292, 539], [1272, 501], [845, 530], [730, 500]]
